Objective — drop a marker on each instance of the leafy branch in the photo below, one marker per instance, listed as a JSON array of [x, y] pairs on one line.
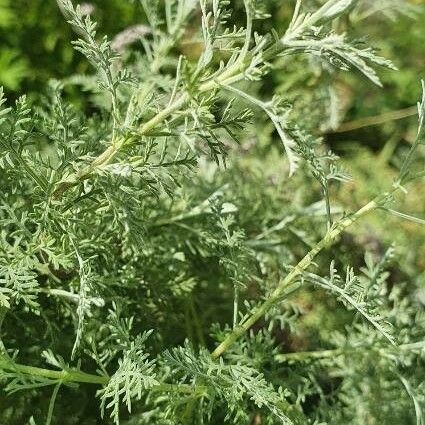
[[250, 64], [290, 282]]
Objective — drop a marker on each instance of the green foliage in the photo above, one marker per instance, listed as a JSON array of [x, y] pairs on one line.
[[36, 45], [135, 374], [176, 246]]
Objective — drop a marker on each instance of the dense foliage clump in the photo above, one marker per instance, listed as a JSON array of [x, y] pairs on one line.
[[177, 247]]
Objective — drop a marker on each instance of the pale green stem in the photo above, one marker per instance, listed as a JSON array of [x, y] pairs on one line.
[[328, 205], [329, 354], [377, 120], [77, 376], [235, 304], [296, 272], [229, 76], [106, 156], [55, 375], [52, 403], [312, 355]]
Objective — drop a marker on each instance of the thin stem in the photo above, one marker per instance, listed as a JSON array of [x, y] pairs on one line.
[[55, 375], [377, 120], [287, 284], [235, 304], [52, 403], [77, 376], [328, 205], [412, 394], [231, 75], [107, 156], [104, 158], [40, 180], [248, 31], [312, 355], [329, 354]]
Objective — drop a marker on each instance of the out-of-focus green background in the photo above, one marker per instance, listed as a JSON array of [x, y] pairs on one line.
[[36, 40]]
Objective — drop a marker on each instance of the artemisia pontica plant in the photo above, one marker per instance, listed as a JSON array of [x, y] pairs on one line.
[[158, 251]]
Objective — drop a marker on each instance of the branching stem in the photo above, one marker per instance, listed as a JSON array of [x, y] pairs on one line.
[[77, 376], [229, 76], [333, 353], [288, 282]]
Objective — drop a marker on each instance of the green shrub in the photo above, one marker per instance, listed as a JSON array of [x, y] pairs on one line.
[[177, 246]]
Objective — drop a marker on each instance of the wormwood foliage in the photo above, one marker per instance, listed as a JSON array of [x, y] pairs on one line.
[[156, 247]]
